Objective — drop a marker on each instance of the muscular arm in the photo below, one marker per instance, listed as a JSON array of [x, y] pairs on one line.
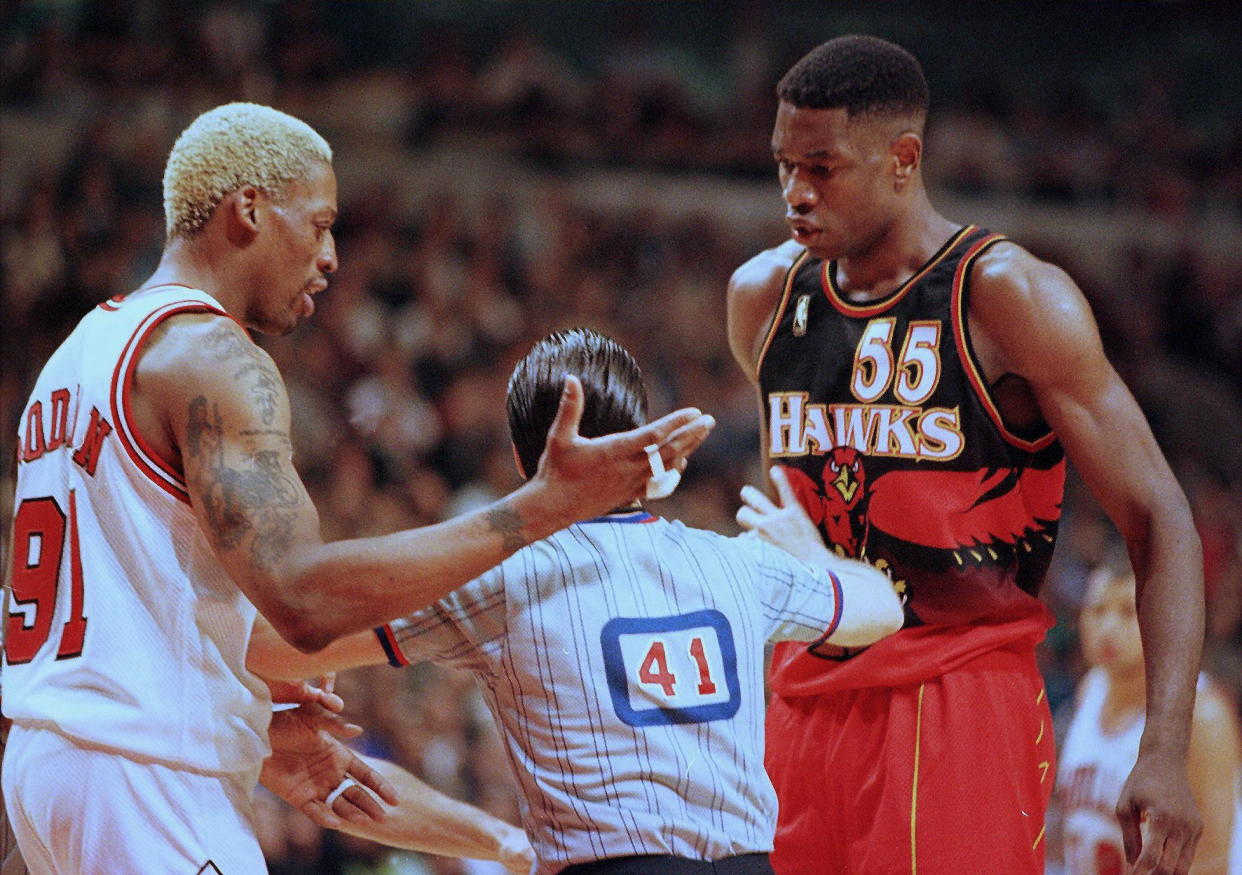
[[221, 407], [1031, 321], [273, 658], [754, 292]]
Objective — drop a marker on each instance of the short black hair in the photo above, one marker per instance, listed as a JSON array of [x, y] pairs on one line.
[[614, 396], [862, 74]]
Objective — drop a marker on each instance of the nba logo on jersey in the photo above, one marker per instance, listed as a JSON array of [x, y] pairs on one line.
[[678, 669]]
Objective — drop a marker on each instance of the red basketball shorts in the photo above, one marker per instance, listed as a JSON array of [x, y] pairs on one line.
[[943, 777]]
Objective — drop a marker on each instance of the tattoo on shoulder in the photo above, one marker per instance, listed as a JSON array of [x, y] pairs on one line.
[[253, 498], [507, 522], [253, 369]]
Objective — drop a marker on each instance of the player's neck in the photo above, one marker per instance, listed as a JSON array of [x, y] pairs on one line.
[[896, 256], [190, 263]]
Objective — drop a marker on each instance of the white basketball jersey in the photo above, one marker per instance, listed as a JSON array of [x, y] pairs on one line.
[[1093, 768], [122, 630]]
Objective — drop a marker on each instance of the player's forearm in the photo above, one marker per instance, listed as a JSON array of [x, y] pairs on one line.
[[1168, 566], [273, 658], [339, 588], [426, 820]]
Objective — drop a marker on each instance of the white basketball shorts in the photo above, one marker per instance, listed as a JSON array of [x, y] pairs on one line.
[[83, 811]]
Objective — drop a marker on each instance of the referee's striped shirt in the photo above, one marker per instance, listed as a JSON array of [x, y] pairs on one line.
[[623, 662]]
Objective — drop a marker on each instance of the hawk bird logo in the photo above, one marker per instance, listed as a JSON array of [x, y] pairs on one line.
[[945, 518], [838, 503]]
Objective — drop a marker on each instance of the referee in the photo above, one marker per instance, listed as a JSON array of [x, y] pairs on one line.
[[622, 658]]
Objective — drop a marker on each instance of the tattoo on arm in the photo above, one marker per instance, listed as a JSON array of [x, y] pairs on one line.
[[507, 522], [256, 369], [255, 499]]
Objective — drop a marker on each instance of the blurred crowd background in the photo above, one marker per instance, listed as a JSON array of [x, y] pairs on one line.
[[511, 167]]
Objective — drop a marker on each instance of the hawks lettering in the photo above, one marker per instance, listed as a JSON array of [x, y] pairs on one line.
[[797, 428], [905, 430]]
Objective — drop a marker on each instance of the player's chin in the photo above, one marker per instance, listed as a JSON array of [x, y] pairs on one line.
[[278, 324], [821, 245]]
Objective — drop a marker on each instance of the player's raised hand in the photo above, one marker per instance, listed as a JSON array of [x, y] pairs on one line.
[[586, 477], [1160, 823], [783, 522]]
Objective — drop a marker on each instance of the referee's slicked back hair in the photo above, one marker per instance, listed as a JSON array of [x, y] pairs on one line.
[[612, 386], [864, 75]]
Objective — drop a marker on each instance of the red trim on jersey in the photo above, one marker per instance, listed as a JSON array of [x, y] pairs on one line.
[[143, 456], [108, 304], [838, 300], [973, 372], [780, 308]]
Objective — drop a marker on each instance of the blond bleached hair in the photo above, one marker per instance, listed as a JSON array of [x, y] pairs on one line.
[[231, 146]]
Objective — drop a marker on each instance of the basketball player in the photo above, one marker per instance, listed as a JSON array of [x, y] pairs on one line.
[[622, 658], [1103, 740], [157, 507], [920, 382]]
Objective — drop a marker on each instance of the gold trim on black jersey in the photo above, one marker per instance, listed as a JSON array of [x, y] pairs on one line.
[[780, 308], [837, 298], [974, 373]]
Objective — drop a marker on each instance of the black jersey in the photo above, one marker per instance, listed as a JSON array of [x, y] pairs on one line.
[[884, 422]]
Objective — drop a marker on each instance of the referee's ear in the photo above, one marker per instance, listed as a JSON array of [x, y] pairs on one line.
[[517, 460]]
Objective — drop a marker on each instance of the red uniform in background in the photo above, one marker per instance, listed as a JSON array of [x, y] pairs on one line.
[[897, 450]]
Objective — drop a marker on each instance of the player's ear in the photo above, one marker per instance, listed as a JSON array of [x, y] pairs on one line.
[[905, 153], [242, 211], [517, 460]]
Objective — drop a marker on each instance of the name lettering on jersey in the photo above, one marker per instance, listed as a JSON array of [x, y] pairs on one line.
[[45, 432], [1090, 789], [87, 455], [905, 430]]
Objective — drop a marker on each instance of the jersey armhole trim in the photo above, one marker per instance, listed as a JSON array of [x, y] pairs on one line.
[[136, 447], [959, 306], [780, 308]]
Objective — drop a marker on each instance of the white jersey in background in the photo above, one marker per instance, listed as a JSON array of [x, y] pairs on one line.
[[1091, 771], [123, 632], [622, 659]]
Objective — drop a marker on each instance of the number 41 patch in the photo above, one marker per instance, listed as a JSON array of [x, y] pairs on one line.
[[679, 669]]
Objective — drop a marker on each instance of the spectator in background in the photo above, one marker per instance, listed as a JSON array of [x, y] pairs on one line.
[[1102, 743]]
